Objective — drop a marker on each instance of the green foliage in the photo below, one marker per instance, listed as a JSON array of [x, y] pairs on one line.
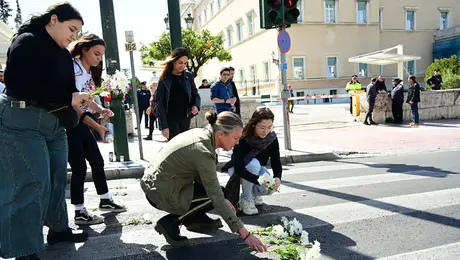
[[5, 11], [18, 18], [446, 65], [80, 34], [201, 45], [450, 80]]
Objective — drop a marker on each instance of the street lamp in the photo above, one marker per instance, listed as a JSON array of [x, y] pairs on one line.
[[189, 21], [275, 61], [167, 21]]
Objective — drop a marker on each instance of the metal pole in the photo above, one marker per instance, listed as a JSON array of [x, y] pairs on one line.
[[175, 29], [136, 103], [285, 94], [109, 32]]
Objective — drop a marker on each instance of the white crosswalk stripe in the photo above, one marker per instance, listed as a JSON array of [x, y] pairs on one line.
[[356, 210]]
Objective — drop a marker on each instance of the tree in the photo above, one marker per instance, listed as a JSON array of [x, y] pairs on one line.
[[202, 47], [5, 11], [80, 34], [18, 18], [445, 66]]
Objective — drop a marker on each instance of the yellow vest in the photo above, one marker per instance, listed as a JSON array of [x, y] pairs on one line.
[[352, 87]]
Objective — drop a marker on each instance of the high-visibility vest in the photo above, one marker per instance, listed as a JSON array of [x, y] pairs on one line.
[[352, 87]]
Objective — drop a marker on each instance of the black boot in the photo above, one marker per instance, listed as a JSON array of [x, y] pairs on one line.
[[28, 257], [202, 222], [168, 226], [65, 236], [148, 138]]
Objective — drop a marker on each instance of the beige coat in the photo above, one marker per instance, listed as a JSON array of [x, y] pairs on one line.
[[168, 181]]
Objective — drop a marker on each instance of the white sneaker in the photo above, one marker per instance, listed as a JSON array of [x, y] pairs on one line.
[[248, 207], [258, 201]]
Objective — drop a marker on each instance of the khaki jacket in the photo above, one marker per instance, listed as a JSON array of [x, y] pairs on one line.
[[168, 181]]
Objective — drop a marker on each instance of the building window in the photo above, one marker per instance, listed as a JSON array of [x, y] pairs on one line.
[[218, 4], [299, 6], [211, 8], [250, 24], [199, 21], [267, 71], [252, 70], [362, 69], [329, 11], [410, 20], [299, 68], [381, 19], [241, 74], [362, 11], [229, 37], [205, 15], [381, 70], [444, 20], [239, 32], [331, 67], [410, 67]]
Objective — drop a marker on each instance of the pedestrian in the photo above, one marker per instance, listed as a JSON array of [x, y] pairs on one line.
[[182, 181], [235, 91], [371, 92], [33, 119], [353, 87], [250, 157], [222, 93], [177, 97], [413, 98], [291, 101], [435, 81], [143, 101], [380, 85], [397, 101], [152, 110], [87, 53], [204, 84]]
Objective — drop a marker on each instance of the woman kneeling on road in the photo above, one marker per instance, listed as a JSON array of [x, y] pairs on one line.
[[182, 181], [250, 156]]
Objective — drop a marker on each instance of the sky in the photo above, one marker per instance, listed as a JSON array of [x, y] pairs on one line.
[[144, 17]]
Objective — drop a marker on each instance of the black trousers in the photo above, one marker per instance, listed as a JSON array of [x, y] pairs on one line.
[[397, 110], [152, 121], [82, 146], [177, 126], [143, 111], [199, 206], [371, 102], [351, 105]]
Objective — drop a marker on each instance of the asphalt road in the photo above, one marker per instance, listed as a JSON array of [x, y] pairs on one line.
[[394, 207]]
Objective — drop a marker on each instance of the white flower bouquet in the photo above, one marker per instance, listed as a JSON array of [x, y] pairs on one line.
[[114, 87], [289, 241], [267, 180]]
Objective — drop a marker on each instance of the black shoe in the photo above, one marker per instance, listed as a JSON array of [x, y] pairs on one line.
[[168, 226], [110, 205], [83, 217], [146, 127], [148, 138], [66, 236], [203, 222], [366, 123], [374, 123], [29, 257]]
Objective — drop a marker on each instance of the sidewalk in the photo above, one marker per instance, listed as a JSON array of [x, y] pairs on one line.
[[314, 142]]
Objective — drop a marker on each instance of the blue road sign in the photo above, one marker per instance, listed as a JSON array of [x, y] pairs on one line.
[[283, 66], [284, 41]]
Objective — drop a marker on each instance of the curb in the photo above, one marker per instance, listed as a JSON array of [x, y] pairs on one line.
[[135, 169]]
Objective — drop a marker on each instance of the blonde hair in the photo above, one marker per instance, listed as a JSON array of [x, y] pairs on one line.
[[226, 122]]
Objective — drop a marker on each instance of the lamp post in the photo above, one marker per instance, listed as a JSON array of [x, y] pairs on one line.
[[175, 30], [167, 21], [189, 21], [275, 61]]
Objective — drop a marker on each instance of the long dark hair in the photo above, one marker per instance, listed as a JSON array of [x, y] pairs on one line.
[[64, 12], [168, 64], [76, 50], [262, 113]]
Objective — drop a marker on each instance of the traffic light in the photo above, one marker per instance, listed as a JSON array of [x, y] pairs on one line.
[[272, 13]]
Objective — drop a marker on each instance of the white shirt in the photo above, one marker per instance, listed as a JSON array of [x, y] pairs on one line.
[[83, 79]]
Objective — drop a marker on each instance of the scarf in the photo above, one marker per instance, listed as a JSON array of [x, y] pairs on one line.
[[258, 145]]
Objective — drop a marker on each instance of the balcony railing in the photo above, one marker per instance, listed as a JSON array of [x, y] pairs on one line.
[[448, 33]]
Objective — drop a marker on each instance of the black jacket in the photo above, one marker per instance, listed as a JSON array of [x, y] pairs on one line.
[[235, 94], [380, 85], [413, 94], [435, 80], [162, 96]]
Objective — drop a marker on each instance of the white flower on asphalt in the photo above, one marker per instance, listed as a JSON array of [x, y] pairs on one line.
[[279, 232], [295, 228], [285, 222], [304, 238], [312, 253]]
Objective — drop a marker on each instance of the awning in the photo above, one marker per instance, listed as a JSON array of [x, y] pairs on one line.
[[384, 57]]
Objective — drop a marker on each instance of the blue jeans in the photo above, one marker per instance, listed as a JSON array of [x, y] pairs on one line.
[[414, 110], [249, 189], [33, 174]]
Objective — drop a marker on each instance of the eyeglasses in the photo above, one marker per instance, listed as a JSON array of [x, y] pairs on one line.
[[263, 128]]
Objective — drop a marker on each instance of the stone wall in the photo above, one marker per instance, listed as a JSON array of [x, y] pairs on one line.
[[248, 106], [440, 104]]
